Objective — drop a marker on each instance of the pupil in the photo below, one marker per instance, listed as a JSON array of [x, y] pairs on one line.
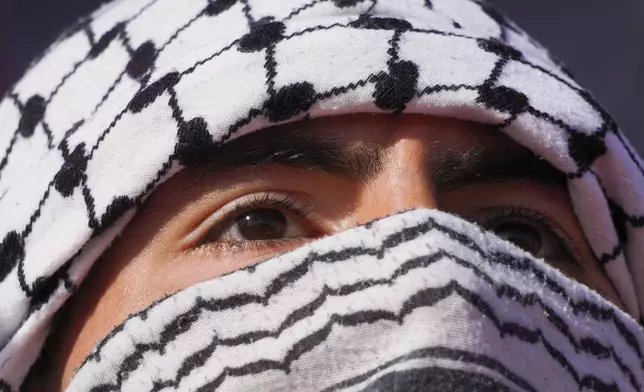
[[521, 235], [262, 224]]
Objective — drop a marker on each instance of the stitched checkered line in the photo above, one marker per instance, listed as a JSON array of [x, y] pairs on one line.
[[263, 37]]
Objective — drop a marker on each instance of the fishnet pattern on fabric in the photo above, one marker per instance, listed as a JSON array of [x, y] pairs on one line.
[[140, 89]]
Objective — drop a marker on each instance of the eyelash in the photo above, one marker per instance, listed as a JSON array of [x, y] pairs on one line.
[[250, 202], [264, 200], [522, 213]]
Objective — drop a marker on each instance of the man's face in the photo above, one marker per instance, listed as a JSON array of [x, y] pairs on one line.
[[274, 190]]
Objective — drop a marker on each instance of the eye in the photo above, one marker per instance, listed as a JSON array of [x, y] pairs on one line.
[[257, 218], [522, 235], [531, 231], [261, 224]]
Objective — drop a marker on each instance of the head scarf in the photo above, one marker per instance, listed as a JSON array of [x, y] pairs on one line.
[[142, 88]]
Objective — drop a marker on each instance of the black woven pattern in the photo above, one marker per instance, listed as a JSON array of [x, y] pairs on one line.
[[144, 82], [204, 307], [393, 90]]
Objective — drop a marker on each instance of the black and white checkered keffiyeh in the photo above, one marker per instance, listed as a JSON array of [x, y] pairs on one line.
[[416, 301]]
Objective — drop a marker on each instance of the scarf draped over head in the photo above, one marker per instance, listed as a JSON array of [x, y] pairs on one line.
[[142, 88]]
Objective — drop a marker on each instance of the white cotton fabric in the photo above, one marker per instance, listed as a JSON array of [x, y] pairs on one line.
[[414, 302], [140, 89]]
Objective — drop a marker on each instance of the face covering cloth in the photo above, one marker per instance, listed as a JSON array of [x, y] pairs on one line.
[[141, 89]]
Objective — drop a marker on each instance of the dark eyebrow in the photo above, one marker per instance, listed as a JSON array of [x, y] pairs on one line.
[[305, 146], [490, 163], [299, 146]]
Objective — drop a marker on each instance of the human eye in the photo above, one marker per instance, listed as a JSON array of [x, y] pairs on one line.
[[267, 219], [532, 231]]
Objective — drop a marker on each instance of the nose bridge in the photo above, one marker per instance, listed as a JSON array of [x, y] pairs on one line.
[[405, 181]]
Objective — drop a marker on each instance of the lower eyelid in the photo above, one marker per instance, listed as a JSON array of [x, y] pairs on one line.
[[249, 250]]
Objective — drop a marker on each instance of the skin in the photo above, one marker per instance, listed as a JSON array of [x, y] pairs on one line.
[[179, 237]]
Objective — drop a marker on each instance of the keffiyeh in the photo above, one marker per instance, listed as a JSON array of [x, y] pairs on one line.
[[142, 88]]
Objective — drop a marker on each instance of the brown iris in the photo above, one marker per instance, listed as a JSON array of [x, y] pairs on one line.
[[261, 224]]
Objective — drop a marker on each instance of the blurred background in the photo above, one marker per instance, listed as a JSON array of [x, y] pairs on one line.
[[601, 42]]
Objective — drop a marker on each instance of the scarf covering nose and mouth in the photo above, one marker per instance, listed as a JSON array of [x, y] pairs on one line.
[[420, 301], [142, 88]]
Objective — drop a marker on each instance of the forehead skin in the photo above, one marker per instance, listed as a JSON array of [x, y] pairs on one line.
[[392, 163]]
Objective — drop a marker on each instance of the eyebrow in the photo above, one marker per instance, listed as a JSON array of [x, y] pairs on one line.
[[295, 146], [302, 147], [453, 169]]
